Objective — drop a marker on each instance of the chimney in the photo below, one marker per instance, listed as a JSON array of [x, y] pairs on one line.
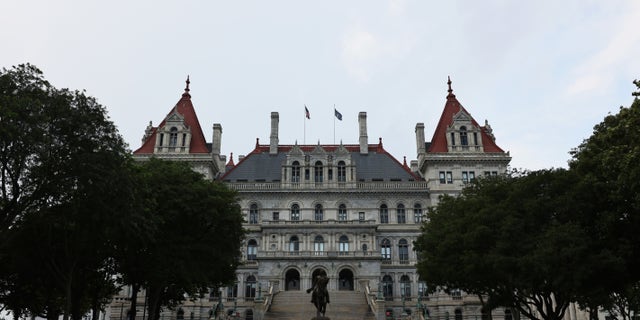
[[420, 137], [273, 145], [364, 141], [217, 137]]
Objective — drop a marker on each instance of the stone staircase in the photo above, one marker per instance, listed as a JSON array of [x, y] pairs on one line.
[[296, 305]]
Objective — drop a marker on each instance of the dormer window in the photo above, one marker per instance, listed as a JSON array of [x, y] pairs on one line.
[[463, 136], [173, 137], [318, 172], [342, 172], [295, 171]]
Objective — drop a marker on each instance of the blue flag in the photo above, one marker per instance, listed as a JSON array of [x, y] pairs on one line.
[[337, 114]]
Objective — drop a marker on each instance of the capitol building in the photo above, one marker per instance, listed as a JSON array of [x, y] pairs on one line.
[[351, 211]]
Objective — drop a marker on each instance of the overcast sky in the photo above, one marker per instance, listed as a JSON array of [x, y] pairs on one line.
[[543, 73]]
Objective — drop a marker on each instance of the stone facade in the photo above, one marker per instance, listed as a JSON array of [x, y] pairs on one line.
[[351, 211]]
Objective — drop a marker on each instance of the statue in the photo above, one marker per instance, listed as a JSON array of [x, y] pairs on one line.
[[320, 295]]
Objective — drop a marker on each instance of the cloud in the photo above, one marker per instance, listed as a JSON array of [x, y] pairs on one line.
[[619, 52], [360, 51]]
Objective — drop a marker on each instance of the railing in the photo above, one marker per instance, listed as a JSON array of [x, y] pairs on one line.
[[316, 222], [320, 254], [374, 185], [268, 299], [371, 299]]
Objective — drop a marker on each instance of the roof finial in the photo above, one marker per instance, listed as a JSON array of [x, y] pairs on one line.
[[187, 88], [449, 83]]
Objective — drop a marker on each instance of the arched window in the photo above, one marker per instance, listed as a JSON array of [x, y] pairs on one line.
[[173, 137], [295, 171], [364, 248], [463, 136], [387, 287], [318, 245], [317, 176], [385, 250], [253, 214], [252, 249], [294, 245], [342, 171], [405, 287], [422, 289], [417, 213], [295, 212], [403, 251], [342, 212], [318, 214], [401, 214], [250, 288], [343, 245], [458, 314], [384, 214]]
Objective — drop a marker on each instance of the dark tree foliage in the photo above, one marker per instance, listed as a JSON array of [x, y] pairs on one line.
[[196, 239], [608, 163], [516, 240], [66, 189]]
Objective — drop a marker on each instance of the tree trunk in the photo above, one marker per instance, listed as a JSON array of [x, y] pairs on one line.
[[135, 288], [153, 303]]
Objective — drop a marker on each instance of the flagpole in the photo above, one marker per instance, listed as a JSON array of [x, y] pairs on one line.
[[334, 123], [304, 135]]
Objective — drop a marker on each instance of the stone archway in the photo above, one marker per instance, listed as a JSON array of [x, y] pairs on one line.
[[292, 280], [345, 280]]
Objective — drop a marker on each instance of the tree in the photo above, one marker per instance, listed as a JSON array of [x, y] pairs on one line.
[[196, 239], [60, 158], [608, 164], [511, 239]]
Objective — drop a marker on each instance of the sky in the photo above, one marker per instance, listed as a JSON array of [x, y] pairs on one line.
[[542, 73]]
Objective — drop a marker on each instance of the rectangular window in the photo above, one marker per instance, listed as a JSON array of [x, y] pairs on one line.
[[465, 177], [475, 138], [306, 174], [441, 177], [330, 174], [449, 177], [361, 216], [487, 173], [276, 216], [472, 176], [453, 139]]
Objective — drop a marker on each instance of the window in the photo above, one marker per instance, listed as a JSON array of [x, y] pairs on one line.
[[252, 249], [253, 214], [507, 315], [318, 245], [401, 214], [490, 173], [276, 216], [456, 294], [232, 291], [295, 171], [318, 214], [384, 214], [463, 136], [468, 176], [330, 174], [294, 245], [441, 177], [417, 213], [343, 245], [342, 172], [250, 288], [385, 249], [342, 212], [364, 249], [161, 139], [475, 138], [422, 289], [403, 251], [387, 287], [361, 216], [453, 139], [306, 174], [173, 137], [449, 177], [405, 287], [184, 139], [317, 177], [180, 314], [458, 314], [295, 212]]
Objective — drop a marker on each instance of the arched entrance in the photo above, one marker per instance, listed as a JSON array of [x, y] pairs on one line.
[[292, 280], [345, 280], [315, 274]]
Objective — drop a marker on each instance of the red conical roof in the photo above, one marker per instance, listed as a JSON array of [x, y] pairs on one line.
[[185, 108], [451, 108]]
